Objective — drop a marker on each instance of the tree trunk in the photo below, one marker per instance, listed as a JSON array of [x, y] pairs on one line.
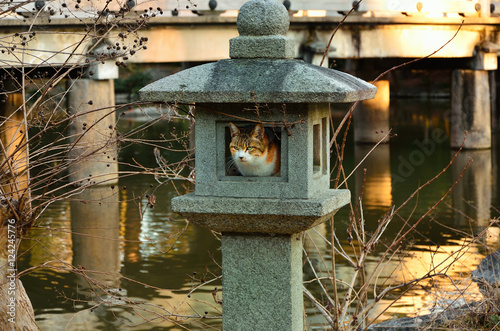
[[16, 312]]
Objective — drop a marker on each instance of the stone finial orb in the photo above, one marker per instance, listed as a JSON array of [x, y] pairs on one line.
[[263, 18], [263, 25]]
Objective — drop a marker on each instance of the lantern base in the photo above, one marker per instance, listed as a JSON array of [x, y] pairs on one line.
[[257, 215]]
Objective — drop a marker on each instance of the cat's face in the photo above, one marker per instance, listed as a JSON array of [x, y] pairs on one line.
[[252, 151]]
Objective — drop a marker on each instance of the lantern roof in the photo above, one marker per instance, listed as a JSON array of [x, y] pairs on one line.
[[261, 69]]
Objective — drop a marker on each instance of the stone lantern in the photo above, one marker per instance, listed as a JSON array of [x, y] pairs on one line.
[[261, 218]]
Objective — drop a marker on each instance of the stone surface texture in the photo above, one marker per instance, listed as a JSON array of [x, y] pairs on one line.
[[263, 26], [263, 18], [250, 47], [255, 215], [299, 178], [262, 278], [488, 271], [258, 80]]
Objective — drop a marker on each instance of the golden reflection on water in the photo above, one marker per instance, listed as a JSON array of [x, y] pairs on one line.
[[13, 143], [99, 233], [456, 261], [52, 238], [429, 263], [376, 184]]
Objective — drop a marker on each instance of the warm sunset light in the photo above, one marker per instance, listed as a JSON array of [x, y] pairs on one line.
[[249, 164], [316, 13], [230, 13], [299, 13]]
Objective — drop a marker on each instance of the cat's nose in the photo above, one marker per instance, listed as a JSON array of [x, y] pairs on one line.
[[242, 158]]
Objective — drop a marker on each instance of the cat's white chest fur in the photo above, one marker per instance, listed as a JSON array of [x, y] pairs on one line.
[[250, 165]]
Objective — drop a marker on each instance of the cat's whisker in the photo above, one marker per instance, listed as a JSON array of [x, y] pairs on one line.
[[231, 167]]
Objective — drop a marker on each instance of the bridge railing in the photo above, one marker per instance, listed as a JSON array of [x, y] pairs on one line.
[[463, 7], [79, 8]]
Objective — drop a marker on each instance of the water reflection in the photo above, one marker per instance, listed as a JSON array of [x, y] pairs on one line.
[[51, 239], [95, 228], [156, 248], [376, 183], [439, 240], [435, 293], [12, 139], [161, 259], [473, 196], [130, 231]]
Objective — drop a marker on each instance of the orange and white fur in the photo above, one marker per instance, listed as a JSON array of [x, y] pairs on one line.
[[255, 151]]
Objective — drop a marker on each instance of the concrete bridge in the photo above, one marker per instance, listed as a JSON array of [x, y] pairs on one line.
[[45, 36], [375, 29]]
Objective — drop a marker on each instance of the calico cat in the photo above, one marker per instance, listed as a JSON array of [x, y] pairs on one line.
[[256, 151]]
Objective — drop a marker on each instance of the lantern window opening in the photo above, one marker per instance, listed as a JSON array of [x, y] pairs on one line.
[[225, 159], [320, 144]]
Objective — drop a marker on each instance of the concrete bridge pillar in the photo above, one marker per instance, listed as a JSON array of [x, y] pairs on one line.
[[94, 155], [371, 118], [470, 109], [92, 100]]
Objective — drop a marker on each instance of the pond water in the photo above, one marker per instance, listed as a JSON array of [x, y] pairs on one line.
[[117, 262]]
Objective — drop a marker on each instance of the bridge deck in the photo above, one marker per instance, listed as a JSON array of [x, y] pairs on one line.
[[378, 29]]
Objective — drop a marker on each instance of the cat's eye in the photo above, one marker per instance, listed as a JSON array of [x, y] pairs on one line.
[[249, 148], [234, 147]]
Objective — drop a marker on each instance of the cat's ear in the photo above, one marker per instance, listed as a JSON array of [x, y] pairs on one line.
[[233, 129], [258, 132]]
